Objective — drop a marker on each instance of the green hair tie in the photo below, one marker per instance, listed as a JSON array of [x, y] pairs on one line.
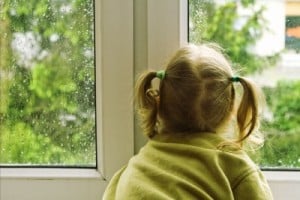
[[161, 74], [235, 79]]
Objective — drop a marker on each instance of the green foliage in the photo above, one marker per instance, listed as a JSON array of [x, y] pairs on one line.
[[281, 150], [284, 101], [48, 116], [22, 145], [282, 132], [223, 25]]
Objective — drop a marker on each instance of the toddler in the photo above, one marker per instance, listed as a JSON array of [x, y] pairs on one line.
[[196, 129]]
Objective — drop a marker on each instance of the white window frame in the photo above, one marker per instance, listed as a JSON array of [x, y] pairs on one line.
[[114, 83], [118, 43]]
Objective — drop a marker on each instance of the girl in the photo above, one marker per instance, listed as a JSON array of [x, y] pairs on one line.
[[189, 154]]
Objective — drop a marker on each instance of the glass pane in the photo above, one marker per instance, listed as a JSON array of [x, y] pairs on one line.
[[47, 85], [263, 40]]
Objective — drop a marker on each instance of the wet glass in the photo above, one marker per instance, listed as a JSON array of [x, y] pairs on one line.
[[47, 85], [263, 40]]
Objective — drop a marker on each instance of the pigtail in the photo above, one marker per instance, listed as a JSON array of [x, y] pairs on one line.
[[146, 101], [248, 111]]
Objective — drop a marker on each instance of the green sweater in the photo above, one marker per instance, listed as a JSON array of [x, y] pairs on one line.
[[188, 167]]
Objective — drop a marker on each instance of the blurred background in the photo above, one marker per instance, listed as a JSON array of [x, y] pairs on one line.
[[47, 85], [263, 40]]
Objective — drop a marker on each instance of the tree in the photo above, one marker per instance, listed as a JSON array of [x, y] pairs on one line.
[[50, 93], [282, 144], [222, 24]]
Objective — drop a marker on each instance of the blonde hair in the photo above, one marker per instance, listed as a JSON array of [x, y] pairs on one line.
[[197, 94]]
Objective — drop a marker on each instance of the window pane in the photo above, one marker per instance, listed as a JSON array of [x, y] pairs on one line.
[[47, 85], [263, 40]]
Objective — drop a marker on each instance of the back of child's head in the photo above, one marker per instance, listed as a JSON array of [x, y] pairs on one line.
[[196, 94]]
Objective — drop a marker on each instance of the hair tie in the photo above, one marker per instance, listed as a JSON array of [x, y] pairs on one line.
[[235, 79], [161, 74]]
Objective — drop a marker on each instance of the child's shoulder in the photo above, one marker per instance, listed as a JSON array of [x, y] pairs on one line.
[[225, 153]]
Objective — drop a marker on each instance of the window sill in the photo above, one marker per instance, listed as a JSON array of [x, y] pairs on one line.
[[282, 176], [67, 173], [49, 174]]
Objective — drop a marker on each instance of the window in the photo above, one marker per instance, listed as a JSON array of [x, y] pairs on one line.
[[114, 34], [47, 84], [114, 142], [262, 39]]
